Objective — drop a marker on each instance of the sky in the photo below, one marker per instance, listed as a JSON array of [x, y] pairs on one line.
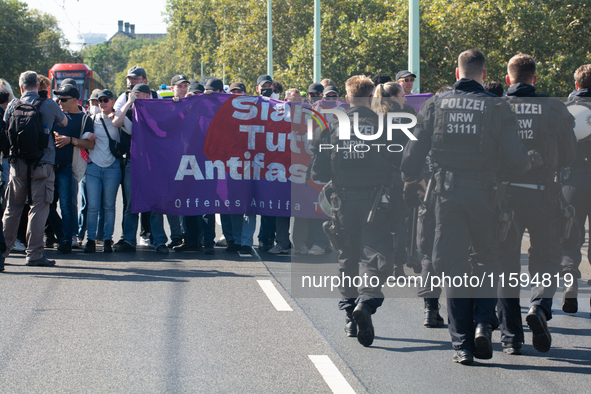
[[101, 16]]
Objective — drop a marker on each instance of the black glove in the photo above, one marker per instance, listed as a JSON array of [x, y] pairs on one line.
[[410, 195], [535, 160]]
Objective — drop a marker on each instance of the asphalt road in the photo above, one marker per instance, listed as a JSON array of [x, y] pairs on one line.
[[186, 322]]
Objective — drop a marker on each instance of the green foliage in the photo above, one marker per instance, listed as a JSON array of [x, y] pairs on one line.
[[367, 37], [110, 58], [29, 40]]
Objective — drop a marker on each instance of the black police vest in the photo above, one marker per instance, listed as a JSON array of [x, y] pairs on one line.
[[462, 138], [358, 164], [533, 117], [583, 157]]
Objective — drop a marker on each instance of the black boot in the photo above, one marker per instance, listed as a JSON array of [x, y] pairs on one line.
[[350, 326], [432, 316], [483, 341], [570, 303]]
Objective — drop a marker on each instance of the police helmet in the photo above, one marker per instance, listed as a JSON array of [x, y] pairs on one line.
[[582, 116]]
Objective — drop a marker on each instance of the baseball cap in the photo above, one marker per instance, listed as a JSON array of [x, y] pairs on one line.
[[195, 86], [331, 89], [67, 90], [315, 88], [68, 81], [237, 85], [404, 74], [141, 88], [214, 84], [94, 96], [136, 71], [105, 93], [263, 79], [179, 79]]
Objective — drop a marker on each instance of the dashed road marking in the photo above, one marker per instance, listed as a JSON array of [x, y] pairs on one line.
[[274, 296], [332, 376]]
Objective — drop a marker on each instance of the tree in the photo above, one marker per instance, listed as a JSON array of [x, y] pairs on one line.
[[110, 58], [370, 36], [29, 40]]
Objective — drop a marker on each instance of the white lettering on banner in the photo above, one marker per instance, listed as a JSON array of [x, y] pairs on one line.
[[246, 109], [239, 104], [251, 169], [271, 147]]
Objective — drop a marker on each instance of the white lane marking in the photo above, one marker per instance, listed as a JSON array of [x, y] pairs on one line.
[[332, 376], [274, 296]]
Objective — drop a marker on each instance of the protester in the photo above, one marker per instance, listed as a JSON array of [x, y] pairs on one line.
[[78, 133], [103, 175], [28, 182]]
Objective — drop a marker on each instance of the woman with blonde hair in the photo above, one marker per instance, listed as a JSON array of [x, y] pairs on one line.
[[388, 97]]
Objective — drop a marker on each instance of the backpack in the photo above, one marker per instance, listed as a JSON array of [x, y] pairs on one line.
[[26, 134]]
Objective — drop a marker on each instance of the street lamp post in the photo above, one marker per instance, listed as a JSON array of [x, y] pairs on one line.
[[269, 39], [317, 56], [414, 54]]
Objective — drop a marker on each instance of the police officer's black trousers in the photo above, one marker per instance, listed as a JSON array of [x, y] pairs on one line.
[[540, 217], [367, 253], [425, 239], [577, 192], [466, 218]]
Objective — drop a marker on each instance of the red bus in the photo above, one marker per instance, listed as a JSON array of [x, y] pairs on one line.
[[86, 79]]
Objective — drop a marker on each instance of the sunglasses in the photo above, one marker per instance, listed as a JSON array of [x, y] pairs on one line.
[[103, 100], [64, 99], [331, 97], [407, 80], [236, 91]]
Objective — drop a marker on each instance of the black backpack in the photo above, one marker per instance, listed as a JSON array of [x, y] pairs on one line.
[[26, 133]]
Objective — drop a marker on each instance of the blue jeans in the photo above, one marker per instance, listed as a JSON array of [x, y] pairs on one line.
[[248, 227], [232, 227], [157, 225], [82, 213], [63, 181], [101, 190], [175, 226]]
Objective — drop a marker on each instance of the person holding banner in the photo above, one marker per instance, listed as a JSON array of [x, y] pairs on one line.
[[103, 174]]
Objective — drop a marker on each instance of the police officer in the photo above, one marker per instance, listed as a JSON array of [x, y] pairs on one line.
[[468, 132], [360, 180], [576, 187], [546, 126]]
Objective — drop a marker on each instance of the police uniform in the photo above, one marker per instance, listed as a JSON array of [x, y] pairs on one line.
[[546, 126], [468, 131], [365, 247], [425, 239], [576, 188]]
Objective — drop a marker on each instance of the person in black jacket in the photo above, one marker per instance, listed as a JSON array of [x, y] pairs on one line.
[[576, 187], [546, 126], [470, 133], [361, 181]]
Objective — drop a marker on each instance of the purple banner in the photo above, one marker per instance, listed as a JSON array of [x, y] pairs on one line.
[[221, 153]]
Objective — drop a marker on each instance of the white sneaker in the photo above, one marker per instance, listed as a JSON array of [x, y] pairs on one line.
[[18, 246], [301, 250], [316, 250], [145, 240], [277, 249], [75, 243], [221, 242]]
